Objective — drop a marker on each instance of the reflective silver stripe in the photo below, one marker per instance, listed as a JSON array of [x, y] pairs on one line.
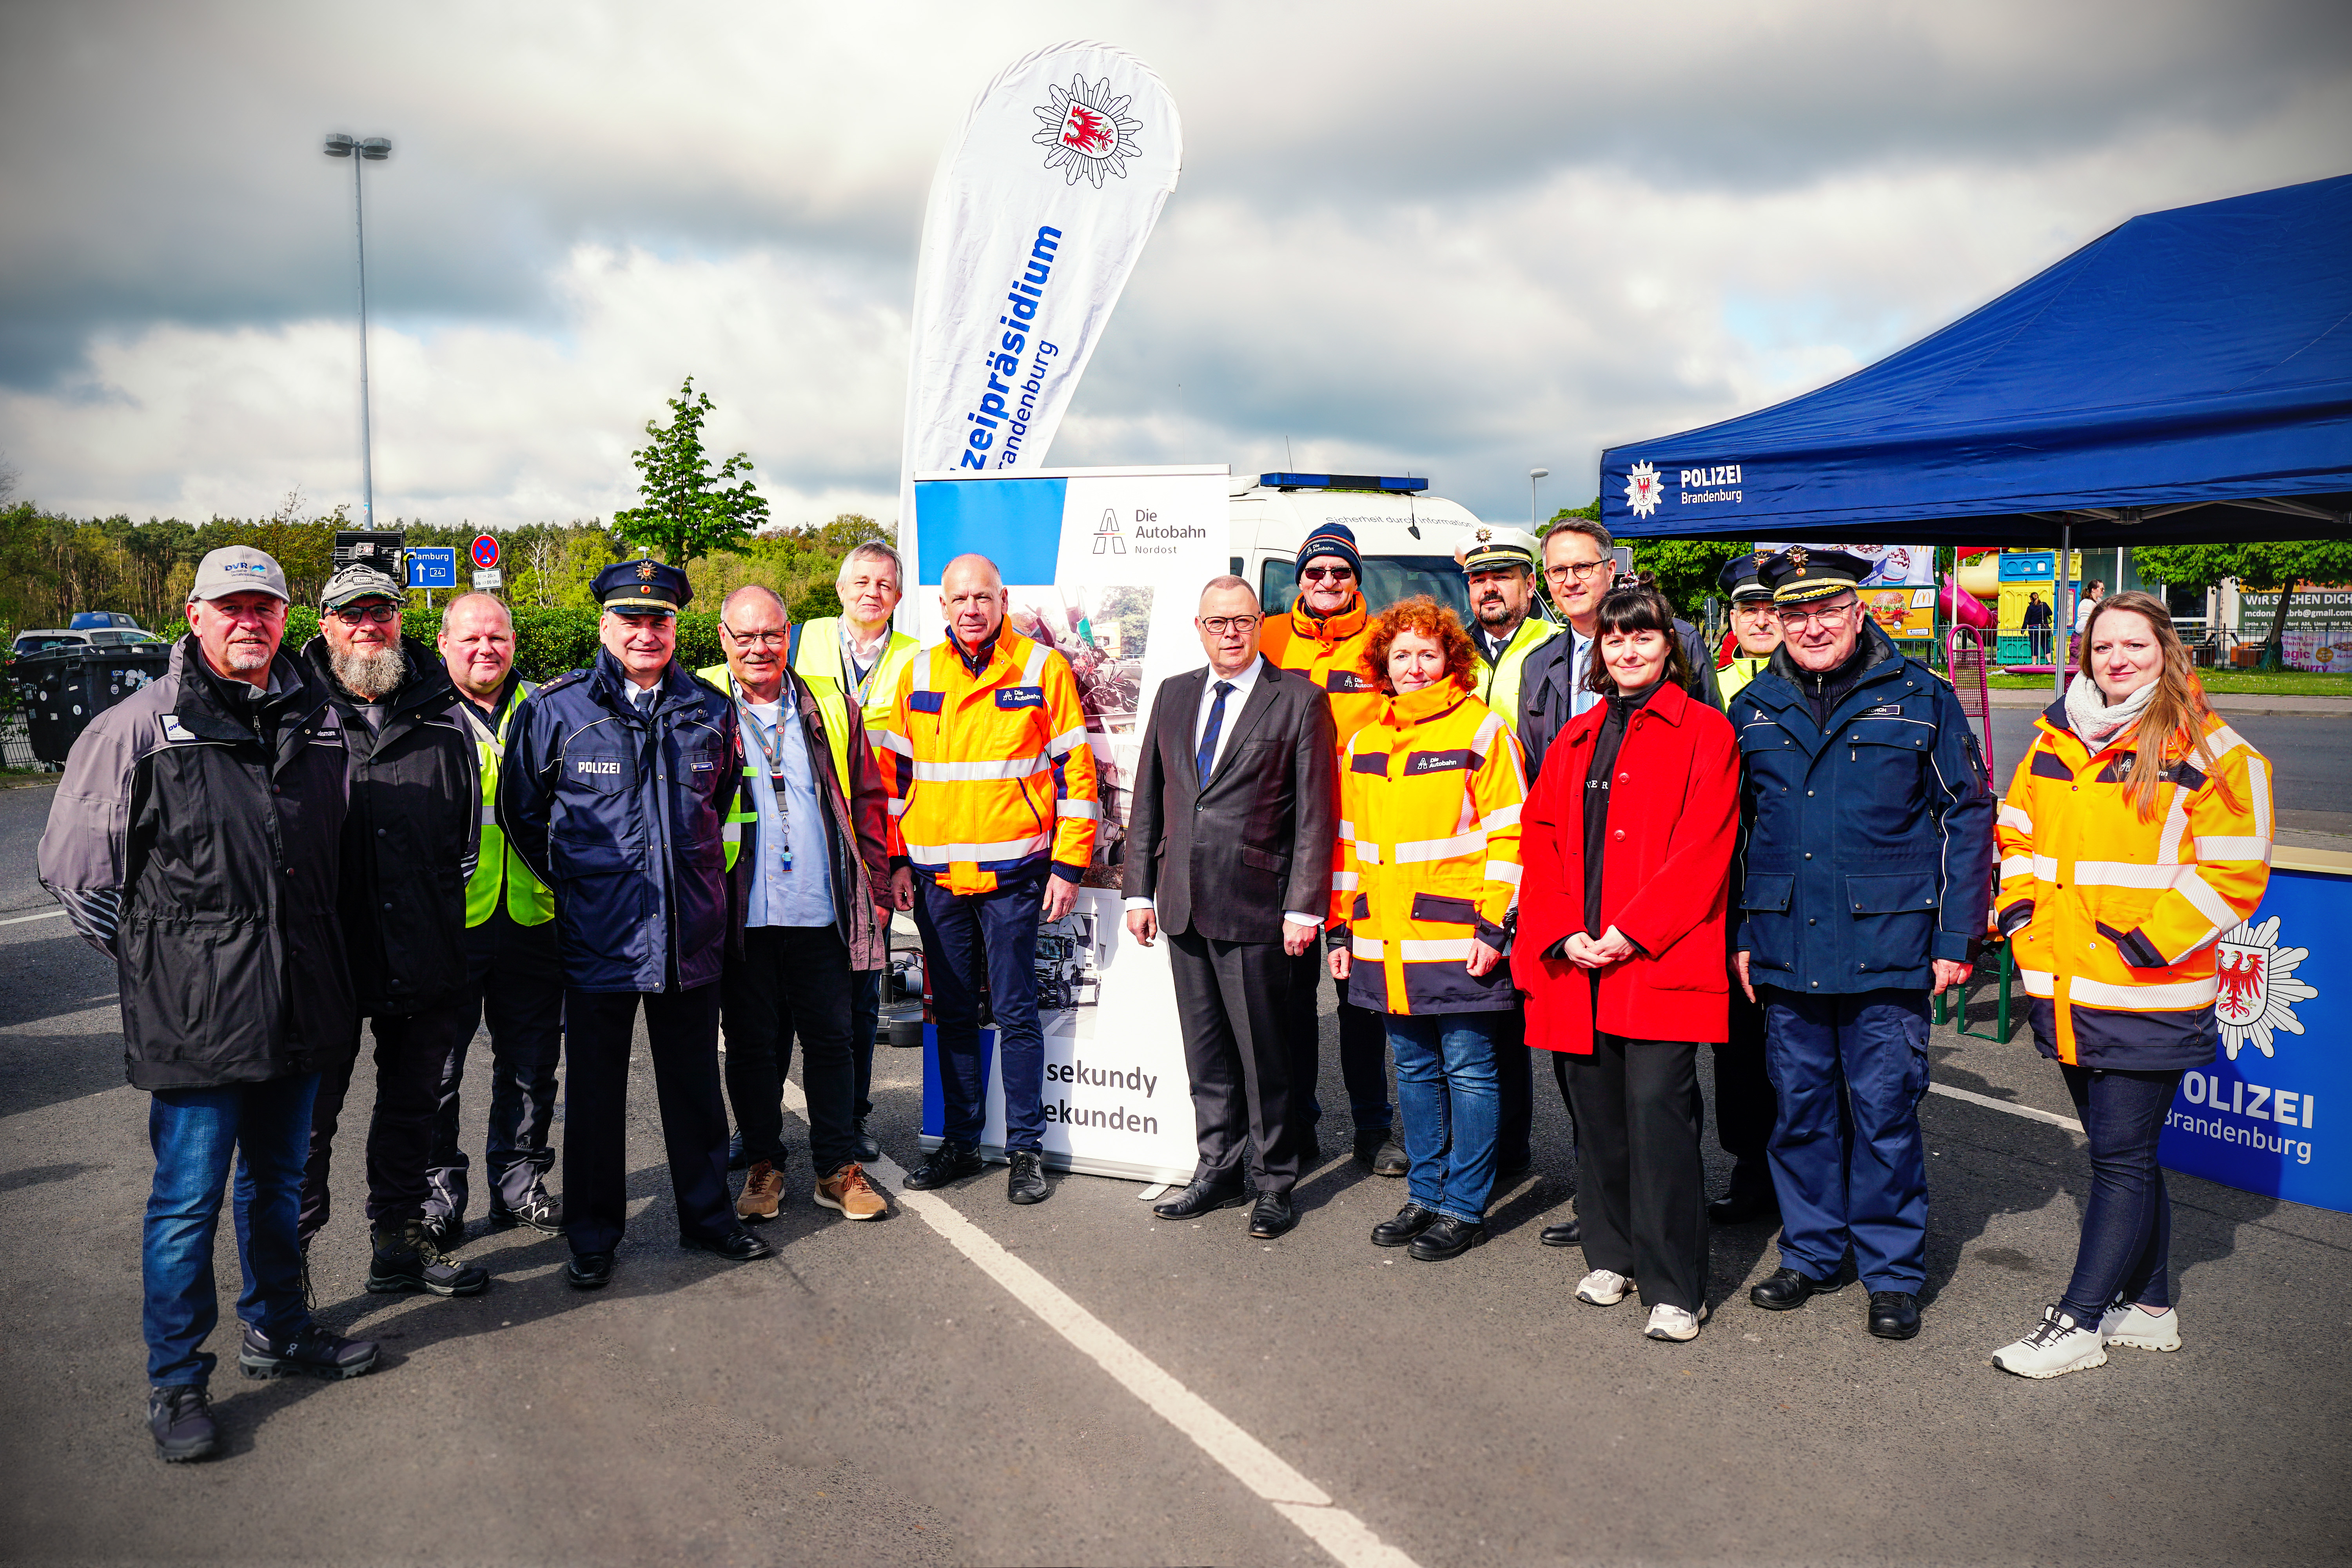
[[2039, 981], [2010, 817], [1434, 952], [1033, 671], [2145, 998], [1010, 849], [1345, 882], [1076, 808], [973, 773], [1364, 947], [1483, 740], [1502, 871], [1367, 854], [2017, 866], [1507, 817], [1469, 842], [2046, 867], [2234, 849], [2123, 874], [2222, 741], [2209, 904], [2176, 828], [897, 806], [1346, 829], [2257, 778], [1068, 740], [892, 741]]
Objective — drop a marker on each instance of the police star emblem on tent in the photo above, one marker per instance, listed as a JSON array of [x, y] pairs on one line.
[[1642, 490], [1087, 131], [2258, 987]]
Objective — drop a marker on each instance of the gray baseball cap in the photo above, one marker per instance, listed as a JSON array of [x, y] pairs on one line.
[[355, 583], [237, 569]]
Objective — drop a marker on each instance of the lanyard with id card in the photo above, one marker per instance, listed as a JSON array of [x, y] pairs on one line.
[[771, 746]]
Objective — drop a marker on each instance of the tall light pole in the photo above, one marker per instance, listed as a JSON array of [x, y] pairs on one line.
[[375, 148], [1535, 514]]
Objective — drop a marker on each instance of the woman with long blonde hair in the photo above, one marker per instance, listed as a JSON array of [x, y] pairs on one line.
[[2136, 833]]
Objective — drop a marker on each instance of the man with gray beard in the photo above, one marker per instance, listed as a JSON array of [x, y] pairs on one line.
[[409, 844]]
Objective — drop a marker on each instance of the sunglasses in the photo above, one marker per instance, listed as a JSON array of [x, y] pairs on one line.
[[1326, 573]]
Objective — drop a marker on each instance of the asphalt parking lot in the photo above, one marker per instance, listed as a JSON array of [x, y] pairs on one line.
[[874, 1394]]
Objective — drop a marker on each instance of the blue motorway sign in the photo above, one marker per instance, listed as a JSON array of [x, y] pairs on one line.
[[433, 566], [2264, 1117]]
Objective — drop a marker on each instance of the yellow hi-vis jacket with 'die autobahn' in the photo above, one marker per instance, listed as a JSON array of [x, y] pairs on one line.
[[1430, 792], [989, 772], [2112, 917]]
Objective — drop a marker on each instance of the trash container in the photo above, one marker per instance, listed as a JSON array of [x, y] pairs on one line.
[[64, 688]]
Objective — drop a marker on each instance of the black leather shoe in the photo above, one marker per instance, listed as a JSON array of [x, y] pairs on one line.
[[736, 1160], [314, 1352], [1570, 1233], [1201, 1197], [1390, 1160], [1410, 1222], [948, 1162], [1449, 1237], [181, 1420], [1367, 1143], [1786, 1289], [1894, 1314], [868, 1151], [739, 1246], [1025, 1178], [1274, 1216], [589, 1270]]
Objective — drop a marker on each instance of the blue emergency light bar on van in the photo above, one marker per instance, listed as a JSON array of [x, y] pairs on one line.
[[1339, 482]]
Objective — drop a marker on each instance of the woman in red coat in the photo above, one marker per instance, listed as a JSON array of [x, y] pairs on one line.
[[1627, 842]]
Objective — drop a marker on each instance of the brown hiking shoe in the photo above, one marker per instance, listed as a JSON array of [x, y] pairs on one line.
[[848, 1191], [763, 1190]]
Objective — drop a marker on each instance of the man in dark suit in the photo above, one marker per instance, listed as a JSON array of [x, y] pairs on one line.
[[1230, 833]]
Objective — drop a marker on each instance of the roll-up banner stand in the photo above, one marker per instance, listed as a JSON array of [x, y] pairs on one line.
[[1107, 566]]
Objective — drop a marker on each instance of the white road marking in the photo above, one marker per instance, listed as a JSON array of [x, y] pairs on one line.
[[1348, 1538], [2025, 1111], [20, 920]]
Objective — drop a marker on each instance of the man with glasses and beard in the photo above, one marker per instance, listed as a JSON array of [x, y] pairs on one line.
[[1869, 869], [409, 844]]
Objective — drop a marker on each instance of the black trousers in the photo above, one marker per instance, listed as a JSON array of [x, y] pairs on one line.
[[1643, 1199], [1744, 1102], [792, 980], [522, 1001], [1515, 1109], [412, 1055], [1363, 1050], [682, 1030], [1232, 998]]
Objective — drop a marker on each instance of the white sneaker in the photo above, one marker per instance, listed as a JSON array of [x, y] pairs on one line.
[[1672, 1323], [2138, 1328], [2057, 1345], [1602, 1288]]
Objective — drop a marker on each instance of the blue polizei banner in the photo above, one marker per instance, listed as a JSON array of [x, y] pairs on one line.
[[2266, 1116]]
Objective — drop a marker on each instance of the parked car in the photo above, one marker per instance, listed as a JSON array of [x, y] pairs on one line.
[[98, 620], [50, 640]]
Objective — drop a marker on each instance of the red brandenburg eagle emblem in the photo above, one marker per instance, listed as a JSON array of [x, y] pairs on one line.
[[1086, 132], [2257, 987]]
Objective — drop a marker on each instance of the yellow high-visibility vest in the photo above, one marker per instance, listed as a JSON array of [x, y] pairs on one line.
[[529, 902]]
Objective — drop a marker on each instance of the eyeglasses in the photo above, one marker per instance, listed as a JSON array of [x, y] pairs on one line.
[[1322, 574], [379, 613], [758, 639], [1218, 625], [1827, 616], [1580, 569]]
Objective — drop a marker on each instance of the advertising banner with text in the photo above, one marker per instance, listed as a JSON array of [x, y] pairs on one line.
[[1040, 206], [1900, 591], [1107, 566]]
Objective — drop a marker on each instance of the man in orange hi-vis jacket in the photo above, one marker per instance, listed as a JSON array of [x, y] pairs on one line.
[[992, 817]]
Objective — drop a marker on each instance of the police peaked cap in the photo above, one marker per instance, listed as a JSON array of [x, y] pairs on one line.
[[1739, 580], [642, 585], [1488, 548], [1803, 573]]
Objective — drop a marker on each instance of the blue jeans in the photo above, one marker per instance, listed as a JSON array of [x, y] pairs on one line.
[[968, 938], [2126, 1250], [194, 1131], [1447, 1085]]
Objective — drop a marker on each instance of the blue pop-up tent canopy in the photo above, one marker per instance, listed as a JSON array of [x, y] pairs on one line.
[[2185, 377]]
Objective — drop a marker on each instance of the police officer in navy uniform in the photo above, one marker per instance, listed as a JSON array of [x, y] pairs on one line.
[[619, 784], [1869, 867]]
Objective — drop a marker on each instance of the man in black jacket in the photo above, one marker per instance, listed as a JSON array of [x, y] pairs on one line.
[[193, 840], [408, 847], [620, 792], [1231, 838]]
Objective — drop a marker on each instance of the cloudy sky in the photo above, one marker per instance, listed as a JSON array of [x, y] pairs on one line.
[[1455, 240]]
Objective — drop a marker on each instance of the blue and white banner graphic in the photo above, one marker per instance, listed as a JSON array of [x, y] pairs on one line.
[[1039, 209], [2266, 1116], [1107, 566]]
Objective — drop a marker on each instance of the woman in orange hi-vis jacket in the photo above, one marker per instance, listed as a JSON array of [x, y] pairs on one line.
[[2138, 830], [1422, 887]]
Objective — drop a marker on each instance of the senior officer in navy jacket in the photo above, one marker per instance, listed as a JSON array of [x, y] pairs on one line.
[[1869, 869], [618, 790]]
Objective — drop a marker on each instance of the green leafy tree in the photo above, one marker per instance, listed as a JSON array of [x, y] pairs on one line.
[[2278, 566], [690, 509]]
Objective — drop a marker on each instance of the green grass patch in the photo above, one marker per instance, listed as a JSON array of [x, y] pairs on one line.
[[2241, 683]]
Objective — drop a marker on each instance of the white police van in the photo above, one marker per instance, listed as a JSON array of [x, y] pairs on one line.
[[1407, 536]]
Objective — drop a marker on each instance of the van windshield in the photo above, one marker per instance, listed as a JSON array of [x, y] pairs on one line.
[[1387, 579]]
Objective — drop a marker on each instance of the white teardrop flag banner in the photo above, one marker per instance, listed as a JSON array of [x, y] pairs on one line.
[[1041, 204]]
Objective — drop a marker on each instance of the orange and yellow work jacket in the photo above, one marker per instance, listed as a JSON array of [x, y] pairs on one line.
[[1330, 652], [2113, 917], [1430, 793], [990, 775]]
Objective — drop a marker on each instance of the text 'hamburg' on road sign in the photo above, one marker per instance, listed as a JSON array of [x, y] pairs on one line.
[[433, 566]]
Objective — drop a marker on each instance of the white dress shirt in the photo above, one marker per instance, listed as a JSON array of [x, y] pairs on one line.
[[1579, 660]]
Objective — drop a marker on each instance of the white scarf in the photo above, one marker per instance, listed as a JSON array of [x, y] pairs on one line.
[[2089, 716]]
